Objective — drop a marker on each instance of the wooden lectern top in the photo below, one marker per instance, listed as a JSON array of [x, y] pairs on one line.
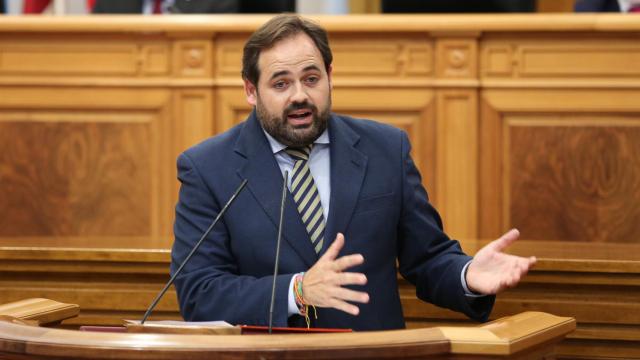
[[512, 337]]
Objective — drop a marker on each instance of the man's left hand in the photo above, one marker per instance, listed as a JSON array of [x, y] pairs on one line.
[[492, 271]]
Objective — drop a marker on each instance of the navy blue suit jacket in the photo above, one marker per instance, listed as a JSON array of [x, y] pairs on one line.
[[377, 202]]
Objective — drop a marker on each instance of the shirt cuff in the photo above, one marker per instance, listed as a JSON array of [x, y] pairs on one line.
[[292, 306], [463, 279]]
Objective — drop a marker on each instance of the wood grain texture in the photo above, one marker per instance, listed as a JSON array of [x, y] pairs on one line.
[[41, 311], [575, 182], [526, 336], [559, 163], [74, 179]]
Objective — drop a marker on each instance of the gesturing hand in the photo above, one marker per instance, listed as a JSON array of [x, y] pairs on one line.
[[322, 284], [491, 270]]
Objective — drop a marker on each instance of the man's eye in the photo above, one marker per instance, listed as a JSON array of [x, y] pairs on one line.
[[280, 85], [313, 79]]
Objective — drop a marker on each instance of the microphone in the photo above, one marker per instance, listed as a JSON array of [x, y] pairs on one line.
[[275, 268], [184, 262]]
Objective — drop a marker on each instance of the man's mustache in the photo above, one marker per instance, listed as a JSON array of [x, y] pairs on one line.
[[298, 106]]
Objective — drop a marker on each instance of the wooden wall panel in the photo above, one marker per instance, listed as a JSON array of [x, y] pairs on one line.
[[574, 181], [67, 176], [231, 107], [102, 55], [360, 55], [556, 167], [80, 168], [228, 56], [457, 57], [561, 56], [193, 58], [457, 148]]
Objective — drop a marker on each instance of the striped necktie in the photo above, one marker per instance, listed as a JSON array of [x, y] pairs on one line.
[[305, 194]]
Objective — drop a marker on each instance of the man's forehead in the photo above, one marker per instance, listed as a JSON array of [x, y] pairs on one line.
[[297, 53]]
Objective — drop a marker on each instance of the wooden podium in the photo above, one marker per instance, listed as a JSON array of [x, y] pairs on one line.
[[529, 335]]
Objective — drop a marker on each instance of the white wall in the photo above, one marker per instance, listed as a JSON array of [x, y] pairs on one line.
[[322, 6]]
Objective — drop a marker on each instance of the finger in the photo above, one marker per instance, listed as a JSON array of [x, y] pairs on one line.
[[351, 295], [349, 278], [347, 261], [333, 250], [515, 279], [523, 266], [505, 240], [345, 306]]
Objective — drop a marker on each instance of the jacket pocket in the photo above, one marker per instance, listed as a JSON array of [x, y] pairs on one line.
[[374, 203]]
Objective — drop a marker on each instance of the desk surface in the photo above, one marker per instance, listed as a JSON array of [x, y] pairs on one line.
[[511, 336]]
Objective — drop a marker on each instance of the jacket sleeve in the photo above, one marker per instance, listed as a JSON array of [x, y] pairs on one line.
[[210, 286], [427, 257]]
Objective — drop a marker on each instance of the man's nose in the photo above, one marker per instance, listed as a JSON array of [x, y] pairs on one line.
[[299, 94]]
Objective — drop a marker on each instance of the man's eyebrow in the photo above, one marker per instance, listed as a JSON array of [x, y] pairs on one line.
[[279, 73], [287, 72], [311, 67]]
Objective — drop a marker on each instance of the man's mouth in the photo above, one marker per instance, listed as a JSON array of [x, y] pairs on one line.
[[300, 117]]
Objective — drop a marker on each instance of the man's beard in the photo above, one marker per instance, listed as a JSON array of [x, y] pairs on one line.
[[289, 135]]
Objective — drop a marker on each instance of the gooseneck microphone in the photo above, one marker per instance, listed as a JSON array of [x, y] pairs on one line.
[[275, 267], [195, 248]]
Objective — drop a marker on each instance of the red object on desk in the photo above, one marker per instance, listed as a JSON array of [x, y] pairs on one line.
[[254, 330]]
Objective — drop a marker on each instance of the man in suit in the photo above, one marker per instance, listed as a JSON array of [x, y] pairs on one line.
[[355, 206]]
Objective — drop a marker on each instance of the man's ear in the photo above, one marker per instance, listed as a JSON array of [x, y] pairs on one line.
[[251, 92], [329, 71]]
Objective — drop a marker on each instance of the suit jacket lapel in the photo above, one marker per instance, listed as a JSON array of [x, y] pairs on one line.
[[348, 167], [265, 183]]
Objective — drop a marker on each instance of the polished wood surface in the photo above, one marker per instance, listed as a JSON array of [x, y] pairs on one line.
[[577, 189], [524, 336], [41, 311]]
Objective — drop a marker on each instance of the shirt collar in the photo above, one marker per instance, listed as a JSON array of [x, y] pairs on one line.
[[276, 146]]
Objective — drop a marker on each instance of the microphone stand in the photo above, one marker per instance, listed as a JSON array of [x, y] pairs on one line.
[[275, 268], [173, 278]]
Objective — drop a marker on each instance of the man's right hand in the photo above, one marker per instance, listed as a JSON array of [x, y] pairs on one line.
[[322, 284]]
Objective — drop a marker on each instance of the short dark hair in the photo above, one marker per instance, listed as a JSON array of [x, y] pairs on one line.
[[279, 28]]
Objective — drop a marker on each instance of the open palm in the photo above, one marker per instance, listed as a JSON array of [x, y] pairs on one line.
[[492, 271]]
